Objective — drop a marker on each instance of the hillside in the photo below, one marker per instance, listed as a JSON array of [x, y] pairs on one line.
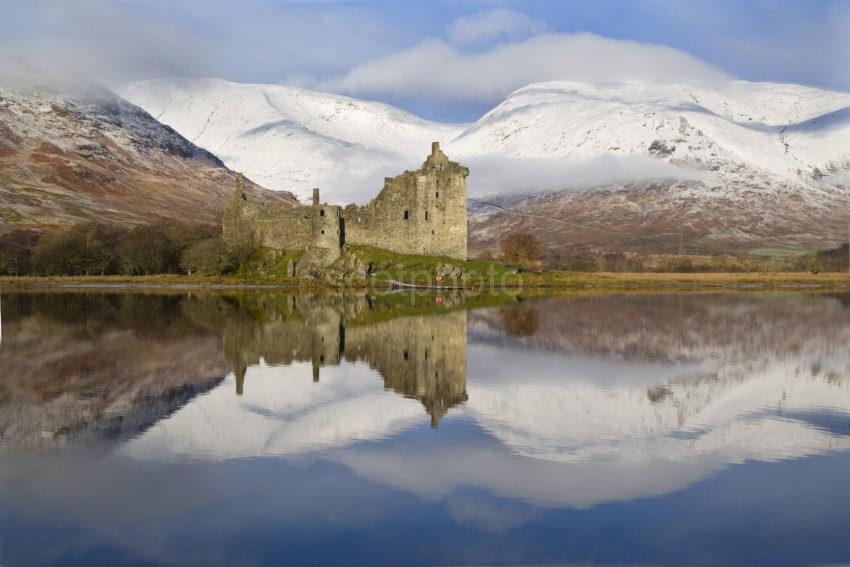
[[288, 138], [80, 152]]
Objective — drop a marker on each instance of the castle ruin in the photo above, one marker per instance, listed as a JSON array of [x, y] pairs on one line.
[[417, 212]]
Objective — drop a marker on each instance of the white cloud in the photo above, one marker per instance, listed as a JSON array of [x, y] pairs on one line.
[[493, 25], [506, 175], [434, 70]]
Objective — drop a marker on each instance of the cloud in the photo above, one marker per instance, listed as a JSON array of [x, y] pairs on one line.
[[102, 40], [493, 25], [505, 175], [253, 40], [434, 70]]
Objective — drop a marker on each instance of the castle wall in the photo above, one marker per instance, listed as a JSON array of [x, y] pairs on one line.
[[417, 212], [279, 226]]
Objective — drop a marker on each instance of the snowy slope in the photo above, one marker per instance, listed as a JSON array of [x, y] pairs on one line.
[[777, 130], [288, 138]]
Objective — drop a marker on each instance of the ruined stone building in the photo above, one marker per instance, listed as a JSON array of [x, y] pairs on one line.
[[417, 212]]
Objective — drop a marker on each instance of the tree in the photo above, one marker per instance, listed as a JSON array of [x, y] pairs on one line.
[[521, 249], [209, 256], [16, 252], [147, 249], [82, 249]]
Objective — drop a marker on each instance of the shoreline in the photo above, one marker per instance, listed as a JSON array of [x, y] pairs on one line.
[[534, 281]]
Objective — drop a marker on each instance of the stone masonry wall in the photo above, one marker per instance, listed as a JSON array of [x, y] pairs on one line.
[[417, 212]]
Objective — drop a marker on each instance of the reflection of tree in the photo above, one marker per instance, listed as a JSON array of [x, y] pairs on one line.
[[519, 319]]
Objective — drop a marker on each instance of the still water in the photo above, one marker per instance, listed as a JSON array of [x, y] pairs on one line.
[[272, 428]]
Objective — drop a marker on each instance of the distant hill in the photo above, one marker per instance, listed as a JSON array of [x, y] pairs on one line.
[[80, 152]]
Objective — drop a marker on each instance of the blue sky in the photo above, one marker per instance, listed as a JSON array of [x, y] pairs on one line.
[[445, 60]]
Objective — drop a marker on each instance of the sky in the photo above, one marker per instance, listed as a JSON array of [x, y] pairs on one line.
[[444, 60]]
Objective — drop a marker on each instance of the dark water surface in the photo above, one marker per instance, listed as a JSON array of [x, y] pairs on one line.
[[265, 428]]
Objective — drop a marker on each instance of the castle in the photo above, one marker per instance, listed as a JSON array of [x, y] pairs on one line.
[[417, 212]]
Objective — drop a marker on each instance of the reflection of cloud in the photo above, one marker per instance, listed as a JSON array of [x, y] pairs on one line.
[[487, 514]]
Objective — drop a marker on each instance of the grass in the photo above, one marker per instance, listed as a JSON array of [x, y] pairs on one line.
[[423, 270]]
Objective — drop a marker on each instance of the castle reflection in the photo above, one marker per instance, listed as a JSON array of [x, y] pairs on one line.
[[419, 356]]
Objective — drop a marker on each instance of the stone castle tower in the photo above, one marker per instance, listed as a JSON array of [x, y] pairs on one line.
[[417, 212]]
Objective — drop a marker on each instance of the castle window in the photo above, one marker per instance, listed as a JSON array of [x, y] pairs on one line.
[[323, 232], [438, 195], [406, 215], [426, 215], [432, 232], [406, 355], [322, 213]]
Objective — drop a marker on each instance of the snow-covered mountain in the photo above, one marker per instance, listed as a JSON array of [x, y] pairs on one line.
[[650, 166], [612, 165], [742, 129], [288, 138]]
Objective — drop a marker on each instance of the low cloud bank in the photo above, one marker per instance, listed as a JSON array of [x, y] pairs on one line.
[[504, 175], [500, 175]]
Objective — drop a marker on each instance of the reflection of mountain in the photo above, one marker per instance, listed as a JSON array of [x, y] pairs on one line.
[[594, 398], [109, 365], [576, 401]]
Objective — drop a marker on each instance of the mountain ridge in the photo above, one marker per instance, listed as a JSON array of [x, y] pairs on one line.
[[79, 152]]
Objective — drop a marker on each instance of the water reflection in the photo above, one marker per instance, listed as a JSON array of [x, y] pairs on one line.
[[494, 410]]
